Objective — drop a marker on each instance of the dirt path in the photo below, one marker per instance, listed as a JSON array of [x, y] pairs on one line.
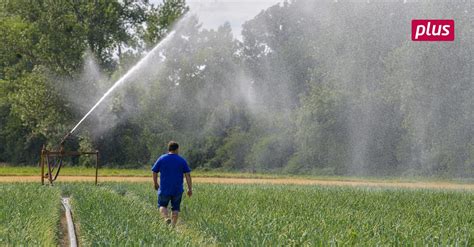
[[63, 233], [216, 180]]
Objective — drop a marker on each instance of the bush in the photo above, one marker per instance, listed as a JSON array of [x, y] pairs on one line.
[[231, 155], [270, 152]]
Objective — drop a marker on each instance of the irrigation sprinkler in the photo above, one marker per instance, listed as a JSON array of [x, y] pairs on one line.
[[53, 161]]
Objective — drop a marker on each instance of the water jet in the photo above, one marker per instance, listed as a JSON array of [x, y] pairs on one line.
[[53, 160]]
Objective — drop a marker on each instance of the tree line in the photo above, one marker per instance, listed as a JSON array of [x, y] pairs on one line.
[[313, 87]]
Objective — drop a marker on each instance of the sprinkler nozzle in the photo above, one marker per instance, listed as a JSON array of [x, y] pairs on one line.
[[64, 138]]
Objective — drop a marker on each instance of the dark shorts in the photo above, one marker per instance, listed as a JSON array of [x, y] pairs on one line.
[[163, 201]]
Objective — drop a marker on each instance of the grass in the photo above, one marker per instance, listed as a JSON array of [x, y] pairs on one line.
[[119, 214], [105, 218], [268, 215], [295, 215], [7, 170], [29, 215]]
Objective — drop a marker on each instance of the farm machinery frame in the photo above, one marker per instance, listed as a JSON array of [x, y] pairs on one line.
[[51, 162]]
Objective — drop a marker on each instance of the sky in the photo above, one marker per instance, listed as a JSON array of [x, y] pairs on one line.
[[213, 13]]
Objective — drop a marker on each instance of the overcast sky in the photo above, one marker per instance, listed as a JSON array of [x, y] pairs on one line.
[[213, 13]]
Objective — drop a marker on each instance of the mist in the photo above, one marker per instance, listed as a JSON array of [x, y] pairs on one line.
[[320, 87]]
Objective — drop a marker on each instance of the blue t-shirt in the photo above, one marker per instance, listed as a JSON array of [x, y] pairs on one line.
[[171, 168]]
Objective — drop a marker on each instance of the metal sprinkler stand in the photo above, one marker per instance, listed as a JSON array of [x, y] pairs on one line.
[[53, 160]]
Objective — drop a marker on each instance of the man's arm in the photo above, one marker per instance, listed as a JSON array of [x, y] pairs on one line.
[[155, 180], [155, 169], [189, 182]]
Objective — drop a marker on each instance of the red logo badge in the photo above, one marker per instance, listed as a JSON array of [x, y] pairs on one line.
[[432, 30]]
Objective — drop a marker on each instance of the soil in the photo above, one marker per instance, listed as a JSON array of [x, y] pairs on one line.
[[297, 181], [63, 232]]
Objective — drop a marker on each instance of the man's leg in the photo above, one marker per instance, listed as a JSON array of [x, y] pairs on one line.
[[174, 217], [175, 207], [164, 212], [163, 202]]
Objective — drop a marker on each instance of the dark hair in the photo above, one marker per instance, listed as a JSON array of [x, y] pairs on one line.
[[173, 146]]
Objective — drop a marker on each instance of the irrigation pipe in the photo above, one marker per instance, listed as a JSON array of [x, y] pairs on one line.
[[70, 224]]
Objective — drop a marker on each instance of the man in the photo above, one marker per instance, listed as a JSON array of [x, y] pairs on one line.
[[171, 167]]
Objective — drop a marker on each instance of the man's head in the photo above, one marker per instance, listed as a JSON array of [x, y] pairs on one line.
[[173, 147]]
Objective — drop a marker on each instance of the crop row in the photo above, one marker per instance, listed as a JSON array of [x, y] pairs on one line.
[[118, 214], [29, 215], [303, 215], [106, 218]]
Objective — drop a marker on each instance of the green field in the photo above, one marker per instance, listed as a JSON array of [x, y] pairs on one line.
[[8, 170], [264, 215], [29, 215]]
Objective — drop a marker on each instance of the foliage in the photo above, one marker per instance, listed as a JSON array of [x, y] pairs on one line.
[[271, 153], [29, 215], [43, 46], [305, 215], [85, 145], [166, 14], [96, 209], [255, 215], [320, 216], [313, 87]]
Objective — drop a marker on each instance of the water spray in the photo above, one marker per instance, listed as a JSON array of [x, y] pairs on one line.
[[121, 80], [54, 160]]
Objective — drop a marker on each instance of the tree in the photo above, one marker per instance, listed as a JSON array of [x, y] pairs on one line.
[[43, 44]]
